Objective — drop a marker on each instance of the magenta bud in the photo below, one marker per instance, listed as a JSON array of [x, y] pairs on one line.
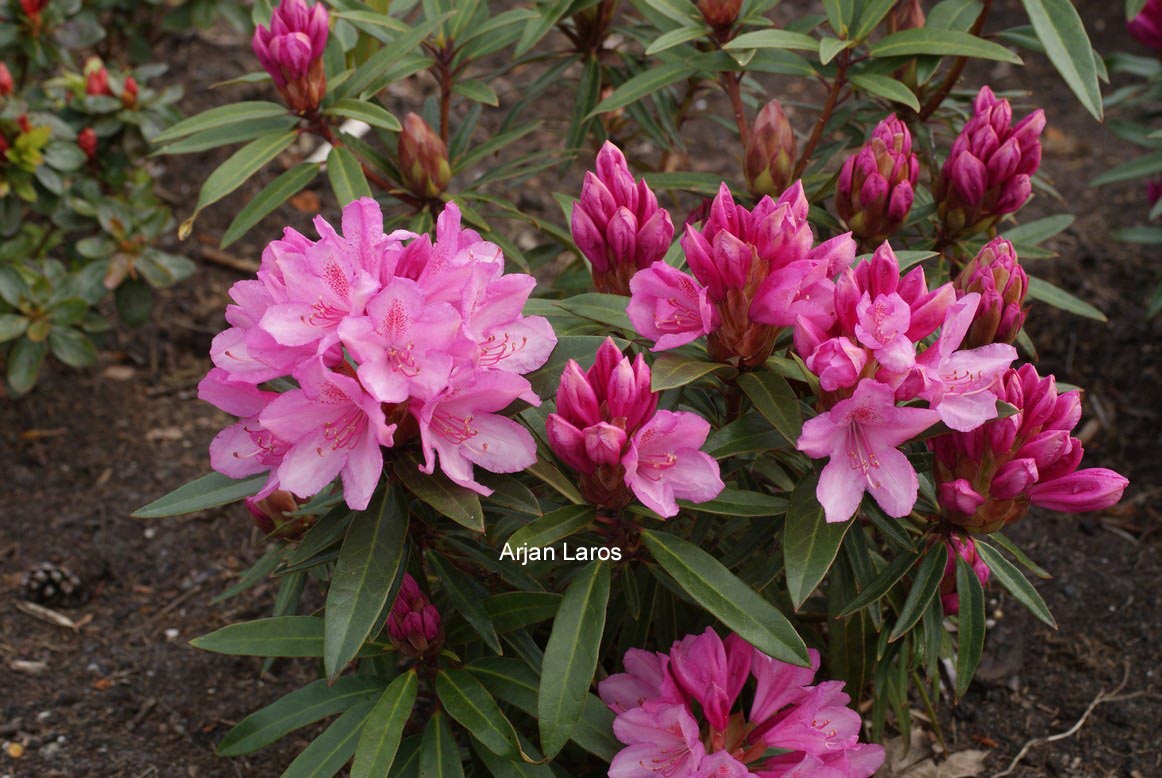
[[273, 515], [1092, 489], [965, 548], [876, 184], [1013, 479], [959, 498], [769, 161], [1146, 27], [291, 51], [414, 625], [576, 400], [997, 276], [423, 158], [604, 444], [838, 363]]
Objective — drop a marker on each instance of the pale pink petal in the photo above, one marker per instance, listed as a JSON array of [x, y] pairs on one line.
[[840, 488], [893, 484]]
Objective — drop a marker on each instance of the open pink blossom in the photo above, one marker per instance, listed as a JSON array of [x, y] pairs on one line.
[[669, 307], [712, 672], [660, 738], [860, 436], [646, 677], [663, 462]]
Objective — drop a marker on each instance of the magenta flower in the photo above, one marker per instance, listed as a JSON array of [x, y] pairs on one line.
[[965, 548], [244, 448], [669, 307], [291, 51], [331, 427], [989, 170], [877, 183], [607, 429], [617, 224], [838, 362], [1002, 283], [658, 704], [1146, 27], [988, 477], [860, 436], [504, 338], [414, 624]]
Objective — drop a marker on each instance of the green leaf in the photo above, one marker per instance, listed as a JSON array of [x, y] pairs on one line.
[[556, 479], [538, 27], [464, 598], [810, 543], [1015, 581], [477, 91], [271, 197], [366, 576], [749, 434], [72, 347], [459, 504], [299, 708], [1059, 298], [326, 754], [234, 172], [739, 502], [840, 14], [466, 700], [643, 84], [571, 656], [553, 526], [773, 39], [886, 87], [924, 587], [439, 754], [1039, 230], [674, 38], [235, 113], [365, 111], [775, 400], [290, 636], [671, 371], [871, 13], [1062, 33], [229, 134], [1020, 555], [24, 363], [209, 491], [830, 47], [509, 611], [887, 578], [945, 43], [379, 63], [1139, 167], [346, 175], [12, 326], [970, 625], [726, 597], [379, 742], [608, 309]]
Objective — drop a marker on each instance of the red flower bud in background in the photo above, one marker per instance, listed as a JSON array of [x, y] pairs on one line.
[[6, 83], [770, 152], [33, 8], [87, 140], [423, 158], [291, 51], [617, 224], [96, 78], [1002, 283], [414, 625], [272, 516], [989, 170], [720, 14], [23, 123], [988, 478], [909, 15], [877, 183], [965, 548], [1146, 27], [129, 94]]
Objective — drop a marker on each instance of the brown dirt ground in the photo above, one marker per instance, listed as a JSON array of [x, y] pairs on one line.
[[121, 694]]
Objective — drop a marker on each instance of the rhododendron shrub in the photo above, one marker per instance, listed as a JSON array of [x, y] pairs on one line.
[[578, 490]]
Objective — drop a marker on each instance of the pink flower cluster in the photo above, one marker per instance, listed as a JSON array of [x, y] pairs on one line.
[[385, 340], [989, 476], [867, 364], [877, 184], [608, 429], [753, 272], [414, 625], [658, 699]]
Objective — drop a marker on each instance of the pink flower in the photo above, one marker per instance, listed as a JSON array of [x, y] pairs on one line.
[[1146, 27], [244, 448], [463, 427], [617, 224], [988, 477], [1002, 283], [779, 684], [607, 429], [661, 739], [838, 362], [332, 427], [646, 677], [669, 307], [291, 51], [504, 338], [876, 184], [962, 385], [414, 624], [721, 765], [663, 462], [711, 672], [988, 172], [860, 436]]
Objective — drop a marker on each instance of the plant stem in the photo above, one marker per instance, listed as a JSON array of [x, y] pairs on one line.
[[824, 116], [957, 68], [321, 128], [730, 82]]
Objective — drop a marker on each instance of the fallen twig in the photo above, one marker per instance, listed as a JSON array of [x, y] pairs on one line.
[[47, 615]]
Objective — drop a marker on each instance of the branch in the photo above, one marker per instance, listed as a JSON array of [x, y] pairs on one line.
[[824, 116], [957, 68]]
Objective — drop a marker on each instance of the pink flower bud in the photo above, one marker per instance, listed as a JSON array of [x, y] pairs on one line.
[[273, 516], [87, 140], [770, 151], [1013, 479], [129, 94], [1083, 490], [1146, 27], [876, 184], [1002, 284], [617, 224], [423, 158], [6, 83], [959, 498], [33, 8], [909, 15], [414, 625], [291, 51], [720, 14], [96, 79], [987, 173], [838, 363]]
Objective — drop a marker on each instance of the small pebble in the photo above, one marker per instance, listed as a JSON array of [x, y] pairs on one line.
[[172, 634]]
